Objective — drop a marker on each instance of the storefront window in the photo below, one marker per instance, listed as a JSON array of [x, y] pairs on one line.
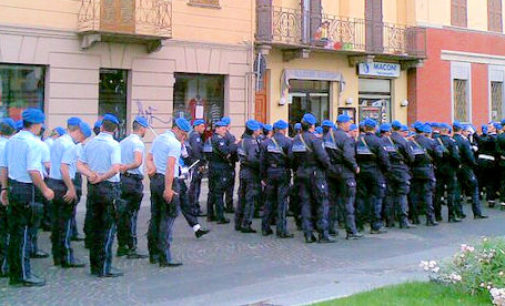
[[113, 96], [375, 99], [199, 96], [21, 87], [308, 97]]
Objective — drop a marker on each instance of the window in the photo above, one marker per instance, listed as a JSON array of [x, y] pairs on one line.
[[458, 13], [21, 86], [461, 104], [112, 97], [205, 3], [494, 15], [497, 101], [375, 99], [308, 97], [199, 96]]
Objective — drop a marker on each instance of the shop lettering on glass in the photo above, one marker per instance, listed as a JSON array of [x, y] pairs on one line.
[[149, 113]]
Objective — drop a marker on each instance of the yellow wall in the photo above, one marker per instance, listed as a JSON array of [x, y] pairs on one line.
[[233, 23], [326, 62], [477, 14]]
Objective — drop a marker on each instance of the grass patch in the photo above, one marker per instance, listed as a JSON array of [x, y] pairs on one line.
[[412, 294]]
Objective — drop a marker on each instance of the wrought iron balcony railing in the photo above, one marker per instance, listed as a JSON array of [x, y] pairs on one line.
[[296, 28], [136, 19]]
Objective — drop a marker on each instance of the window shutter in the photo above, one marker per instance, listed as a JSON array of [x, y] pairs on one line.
[[458, 13], [494, 15]]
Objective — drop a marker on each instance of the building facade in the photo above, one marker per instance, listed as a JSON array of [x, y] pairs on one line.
[[463, 76], [335, 56], [159, 58]]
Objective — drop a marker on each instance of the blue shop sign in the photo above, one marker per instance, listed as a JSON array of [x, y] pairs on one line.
[[379, 69]]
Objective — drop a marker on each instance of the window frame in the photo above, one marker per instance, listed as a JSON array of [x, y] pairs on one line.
[[459, 13], [495, 10], [462, 71], [205, 3], [496, 74]]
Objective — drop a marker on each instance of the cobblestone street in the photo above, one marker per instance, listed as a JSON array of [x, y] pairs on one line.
[[229, 268]]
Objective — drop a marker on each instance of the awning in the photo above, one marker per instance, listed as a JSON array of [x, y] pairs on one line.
[[310, 75]]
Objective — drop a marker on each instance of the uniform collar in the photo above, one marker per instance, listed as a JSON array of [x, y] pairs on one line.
[[105, 135]]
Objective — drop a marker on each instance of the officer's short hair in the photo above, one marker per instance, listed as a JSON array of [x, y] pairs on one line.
[[136, 126], [248, 131], [73, 128], [109, 126], [305, 126], [27, 124], [326, 129], [6, 129]]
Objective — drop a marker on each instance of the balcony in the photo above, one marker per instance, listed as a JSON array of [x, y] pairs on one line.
[[132, 21], [292, 29]]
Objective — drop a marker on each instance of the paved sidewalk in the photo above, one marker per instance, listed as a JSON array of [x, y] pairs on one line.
[[229, 268]]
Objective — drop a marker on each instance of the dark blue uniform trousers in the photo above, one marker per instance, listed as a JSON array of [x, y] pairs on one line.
[[249, 192], [468, 181], [132, 192], [372, 187], [195, 188], [21, 196], [220, 181], [103, 201], [61, 230], [422, 196], [342, 197], [4, 241], [163, 215], [276, 199], [189, 210], [314, 201]]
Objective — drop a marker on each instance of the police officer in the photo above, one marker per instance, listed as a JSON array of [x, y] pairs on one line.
[[342, 184], [20, 175], [189, 211], [74, 122], [230, 140], [425, 151], [466, 174], [500, 150], [487, 160], [100, 162], [312, 161], [447, 173], [7, 129], [373, 162], [275, 171], [196, 155], [132, 188], [221, 165], [162, 164], [294, 199], [64, 157], [398, 179], [248, 152]]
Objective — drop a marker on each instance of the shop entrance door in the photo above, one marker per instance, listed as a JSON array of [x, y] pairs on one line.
[[302, 103], [375, 99]]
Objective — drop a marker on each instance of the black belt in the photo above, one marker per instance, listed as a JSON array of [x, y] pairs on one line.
[[133, 176], [107, 183], [14, 182], [56, 181]]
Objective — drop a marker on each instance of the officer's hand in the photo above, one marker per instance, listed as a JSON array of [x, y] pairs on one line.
[[4, 198], [92, 179], [48, 193], [263, 183], [151, 171], [358, 170], [122, 168], [70, 196], [168, 195]]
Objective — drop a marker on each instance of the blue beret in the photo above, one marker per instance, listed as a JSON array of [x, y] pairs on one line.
[[74, 121], [353, 127], [343, 118], [502, 122], [370, 123], [396, 124], [445, 126], [458, 125], [484, 128], [61, 131], [327, 123], [426, 128], [19, 125], [309, 118], [142, 121], [410, 134], [33, 115], [319, 130], [418, 126], [226, 120], [253, 125], [10, 122], [267, 127], [111, 118], [220, 124], [97, 124], [385, 127], [183, 124], [85, 129], [198, 122], [404, 128], [298, 126], [498, 125], [280, 125]]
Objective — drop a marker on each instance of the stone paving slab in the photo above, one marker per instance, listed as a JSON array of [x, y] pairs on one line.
[[230, 268]]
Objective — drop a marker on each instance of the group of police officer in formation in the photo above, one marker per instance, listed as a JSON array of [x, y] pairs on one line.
[[324, 176]]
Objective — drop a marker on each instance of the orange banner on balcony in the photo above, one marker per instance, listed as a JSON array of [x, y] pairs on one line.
[[117, 16]]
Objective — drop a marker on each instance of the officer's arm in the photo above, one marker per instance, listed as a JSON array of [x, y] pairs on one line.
[[263, 161], [350, 155], [4, 174], [137, 161], [253, 156], [169, 173], [115, 161], [321, 154], [383, 157], [151, 168], [455, 152]]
